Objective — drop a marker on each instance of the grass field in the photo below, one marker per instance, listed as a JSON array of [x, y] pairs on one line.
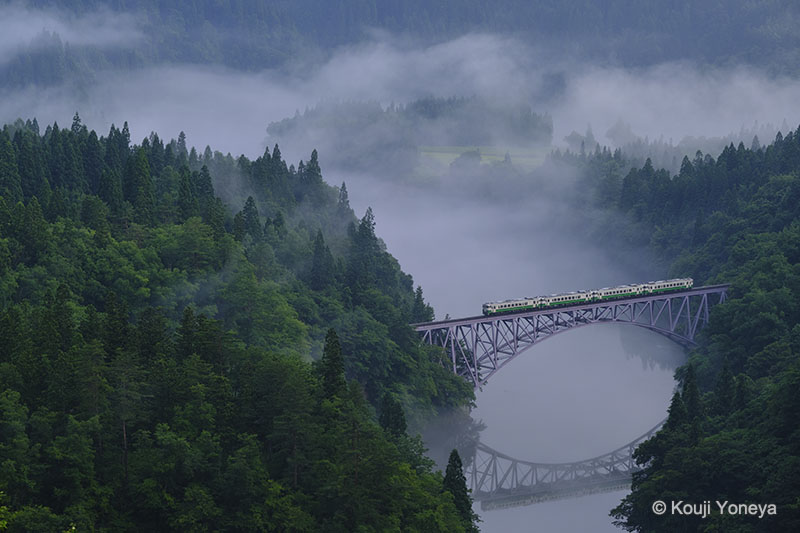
[[522, 158]]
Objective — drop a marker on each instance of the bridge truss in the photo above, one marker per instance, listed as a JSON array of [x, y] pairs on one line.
[[497, 480], [478, 347]]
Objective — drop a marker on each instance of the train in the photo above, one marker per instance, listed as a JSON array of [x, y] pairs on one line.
[[587, 296]]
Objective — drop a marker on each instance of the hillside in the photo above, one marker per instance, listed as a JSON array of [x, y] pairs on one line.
[[156, 346], [732, 433]]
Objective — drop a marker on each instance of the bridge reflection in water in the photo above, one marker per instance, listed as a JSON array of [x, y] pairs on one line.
[[499, 481], [477, 347]]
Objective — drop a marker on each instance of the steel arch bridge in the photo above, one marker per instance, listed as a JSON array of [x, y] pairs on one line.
[[498, 481], [478, 347]]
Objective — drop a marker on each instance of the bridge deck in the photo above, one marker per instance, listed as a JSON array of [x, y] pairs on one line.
[[477, 347], [422, 326]]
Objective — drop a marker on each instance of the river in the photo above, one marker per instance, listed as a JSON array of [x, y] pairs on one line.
[[576, 396], [579, 395]]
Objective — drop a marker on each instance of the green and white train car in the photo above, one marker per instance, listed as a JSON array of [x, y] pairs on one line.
[[595, 295]]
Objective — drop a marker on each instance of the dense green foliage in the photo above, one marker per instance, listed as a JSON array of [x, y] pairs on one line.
[[456, 484], [248, 34], [733, 432], [155, 346]]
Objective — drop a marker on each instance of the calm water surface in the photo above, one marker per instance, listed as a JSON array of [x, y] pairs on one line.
[[580, 394]]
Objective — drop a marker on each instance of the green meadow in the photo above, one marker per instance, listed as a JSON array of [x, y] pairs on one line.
[[524, 158]]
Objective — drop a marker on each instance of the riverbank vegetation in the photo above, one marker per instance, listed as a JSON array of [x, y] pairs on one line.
[[732, 433], [156, 346]]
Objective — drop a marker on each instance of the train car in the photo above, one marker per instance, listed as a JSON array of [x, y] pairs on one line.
[[621, 291], [567, 298], [583, 296], [511, 306], [680, 284]]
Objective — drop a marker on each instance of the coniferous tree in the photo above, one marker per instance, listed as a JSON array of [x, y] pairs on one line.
[[691, 394], [187, 203], [420, 311], [239, 229], [343, 204], [216, 218], [168, 424], [31, 230], [138, 186], [93, 163], [10, 184], [392, 418], [32, 167], [724, 391], [204, 187], [116, 331], [331, 367], [57, 206], [251, 221], [110, 191], [182, 151], [362, 271], [156, 154], [677, 412], [187, 334], [322, 264], [456, 484]]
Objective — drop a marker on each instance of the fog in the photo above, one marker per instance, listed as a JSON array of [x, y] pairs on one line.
[[21, 25], [579, 395], [230, 109]]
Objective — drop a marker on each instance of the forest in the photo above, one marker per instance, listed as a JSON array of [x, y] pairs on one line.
[[173, 361], [247, 34], [732, 432]]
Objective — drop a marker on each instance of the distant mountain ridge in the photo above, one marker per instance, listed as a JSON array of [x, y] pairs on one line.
[[249, 35]]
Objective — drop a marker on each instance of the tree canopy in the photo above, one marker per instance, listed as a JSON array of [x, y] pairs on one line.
[[160, 314]]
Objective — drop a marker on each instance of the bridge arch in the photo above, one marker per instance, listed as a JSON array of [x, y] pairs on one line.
[[478, 347], [498, 480]]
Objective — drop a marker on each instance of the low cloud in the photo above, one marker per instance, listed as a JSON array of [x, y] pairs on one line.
[[20, 25], [230, 109], [675, 100]]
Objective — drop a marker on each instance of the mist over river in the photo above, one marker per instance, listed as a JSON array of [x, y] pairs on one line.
[[576, 396]]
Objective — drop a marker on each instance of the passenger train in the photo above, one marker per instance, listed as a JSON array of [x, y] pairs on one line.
[[590, 296]]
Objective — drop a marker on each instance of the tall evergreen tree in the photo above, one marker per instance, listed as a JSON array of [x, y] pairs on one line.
[[110, 191], [691, 394], [10, 184], [420, 311], [32, 167], [251, 220], [343, 204], [138, 186], [322, 264], [677, 412], [724, 391], [456, 484], [93, 162], [187, 203], [392, 418], [331, 367], [182, 151]]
